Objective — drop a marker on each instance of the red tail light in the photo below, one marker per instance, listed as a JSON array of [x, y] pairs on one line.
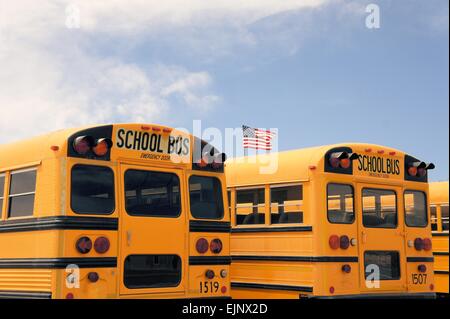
[[216, 246], [418, 243], [101, 245], [334, 241], [84, 245], [70, 296], [202, 246], [102, 146], [82, 144], [427, 245]]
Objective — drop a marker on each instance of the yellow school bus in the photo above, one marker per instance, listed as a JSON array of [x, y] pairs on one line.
[[113, 211], [347, 220], [439, 225]]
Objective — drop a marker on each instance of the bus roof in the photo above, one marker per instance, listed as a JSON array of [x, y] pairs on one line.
[[292, 165], [439, 192], [36, 149]]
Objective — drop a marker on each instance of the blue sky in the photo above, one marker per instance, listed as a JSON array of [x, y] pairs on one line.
[[309, 68]]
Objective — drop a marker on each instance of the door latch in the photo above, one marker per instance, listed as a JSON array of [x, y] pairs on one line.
[[128, 237]]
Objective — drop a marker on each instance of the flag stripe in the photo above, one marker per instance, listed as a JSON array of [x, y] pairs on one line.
[[257, 138]]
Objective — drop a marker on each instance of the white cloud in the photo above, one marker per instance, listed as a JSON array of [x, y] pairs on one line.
[[53, 77]]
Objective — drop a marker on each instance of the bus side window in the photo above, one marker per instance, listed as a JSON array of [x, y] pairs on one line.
[[444, 217], [21, 194], [340, 204], [433, 213], [250, 206], [286, 204], [2, 190]]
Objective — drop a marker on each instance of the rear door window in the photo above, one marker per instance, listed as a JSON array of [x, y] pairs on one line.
[[151, 193], [152, 271], [379, 208], [386, 262]]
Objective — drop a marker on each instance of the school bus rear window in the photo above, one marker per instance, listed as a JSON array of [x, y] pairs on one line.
[[152, 271], [340, 204], [379, 208], [206, 197], [151, 193], [21, 194], [415, 209], [386, 263], [92, 190]]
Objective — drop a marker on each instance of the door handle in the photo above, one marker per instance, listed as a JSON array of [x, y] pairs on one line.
[[363, 237], [128, 237]]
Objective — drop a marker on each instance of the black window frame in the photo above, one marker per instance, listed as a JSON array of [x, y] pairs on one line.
[[353, 203], [221, 196], [442, 217], [436, 221], [384, 251], [180, 277], [11, 196], [113, 185], [300, 190], [251, 188], [426, 208], [396, 207], [180, 210], [2, 192]]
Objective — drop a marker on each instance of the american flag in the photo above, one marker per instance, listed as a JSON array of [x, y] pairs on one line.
[[256, 138]]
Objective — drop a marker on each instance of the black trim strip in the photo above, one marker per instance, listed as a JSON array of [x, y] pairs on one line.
[[439, 234], [271, 286], [11, 294], [441, 272], [326, 259], [440, 253], [272, 230], [59, 223], [419, 259], [209, 260], [200, 226], [57, 263]]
